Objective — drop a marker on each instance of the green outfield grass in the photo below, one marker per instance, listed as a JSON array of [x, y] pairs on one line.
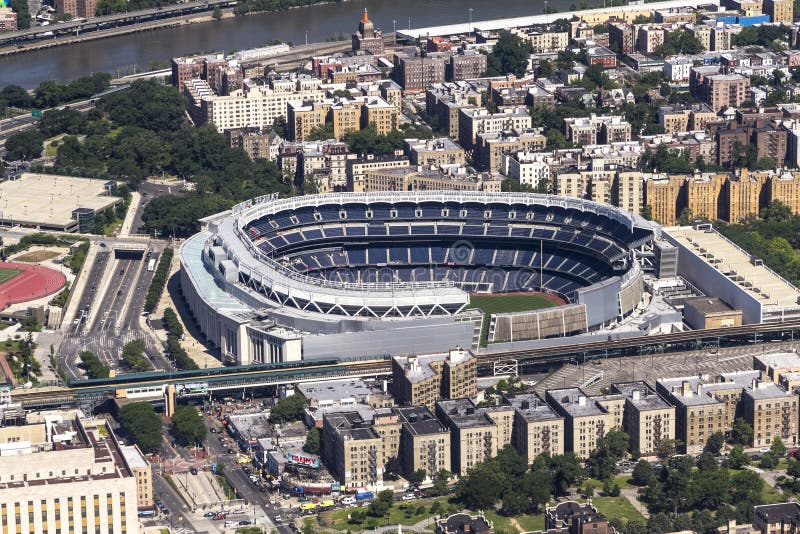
[[490, 304], [7, 274]]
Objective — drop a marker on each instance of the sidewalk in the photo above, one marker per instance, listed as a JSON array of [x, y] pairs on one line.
[[125, 229]]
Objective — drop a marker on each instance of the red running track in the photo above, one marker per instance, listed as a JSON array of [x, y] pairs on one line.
[[34, 282]]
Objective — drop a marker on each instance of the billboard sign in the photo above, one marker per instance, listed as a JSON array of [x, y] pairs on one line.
[[303, 459]]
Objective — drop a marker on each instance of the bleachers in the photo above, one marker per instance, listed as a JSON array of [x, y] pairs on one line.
[[577, 248]]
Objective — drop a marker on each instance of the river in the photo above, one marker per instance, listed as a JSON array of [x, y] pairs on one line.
[[322, 21]]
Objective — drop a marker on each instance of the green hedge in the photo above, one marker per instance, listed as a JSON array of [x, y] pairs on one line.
[[171, 322], [182, 359], [159, 281]]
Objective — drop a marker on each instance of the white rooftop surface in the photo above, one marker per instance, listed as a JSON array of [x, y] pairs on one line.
[[133, 457], [767, 287], [517, 22], [50, 199], [779, 360]]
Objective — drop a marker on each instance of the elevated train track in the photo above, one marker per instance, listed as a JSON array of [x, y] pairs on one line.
[[223, 378]]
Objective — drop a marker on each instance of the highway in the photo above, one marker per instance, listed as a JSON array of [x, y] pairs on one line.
[[21, 123], [106, 21]]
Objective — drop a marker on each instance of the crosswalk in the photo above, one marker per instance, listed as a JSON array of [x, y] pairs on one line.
[[106, 344]]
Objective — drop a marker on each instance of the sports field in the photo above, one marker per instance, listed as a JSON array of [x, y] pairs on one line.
[[490, 304], [7, 274], [510, 303]]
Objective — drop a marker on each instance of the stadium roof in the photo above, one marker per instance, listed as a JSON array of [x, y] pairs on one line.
[[191, 255]]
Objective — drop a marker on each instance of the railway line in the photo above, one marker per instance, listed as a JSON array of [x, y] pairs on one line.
[[223, 378]]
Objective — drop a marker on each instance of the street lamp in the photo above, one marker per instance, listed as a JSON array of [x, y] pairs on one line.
[[469, 33], [394, 30]]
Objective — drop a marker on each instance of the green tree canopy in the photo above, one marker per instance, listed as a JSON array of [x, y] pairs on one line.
[[140, 421], [290, 408], [24, 146], [509, 56], [188, 426]]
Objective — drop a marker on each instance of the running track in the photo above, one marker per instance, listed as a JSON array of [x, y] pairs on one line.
[[34, 282]]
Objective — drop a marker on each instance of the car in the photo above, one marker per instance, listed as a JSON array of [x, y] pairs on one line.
[[244, 522], [193, 470], [213, 430], [273, 502], [220, 516], [763, 449], [231, 451], [209, 514], [347, 501], [755, 457], [408, 497], [278, 519]]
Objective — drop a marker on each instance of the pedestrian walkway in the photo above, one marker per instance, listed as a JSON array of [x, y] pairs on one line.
[[130, 216]]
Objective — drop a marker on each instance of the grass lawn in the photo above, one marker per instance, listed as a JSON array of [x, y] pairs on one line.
[[617, 507], [490, 304], [7, 274], [337, 519], [528, 522], [623, 481], [771, 495]]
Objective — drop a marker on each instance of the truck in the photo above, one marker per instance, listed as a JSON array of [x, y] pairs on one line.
[[364, 495]]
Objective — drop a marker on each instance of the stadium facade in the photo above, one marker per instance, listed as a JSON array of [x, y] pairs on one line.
[[358, 275]]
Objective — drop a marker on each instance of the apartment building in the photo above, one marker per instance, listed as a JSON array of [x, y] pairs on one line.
[[648, 38], [465, 65], [59, 469], [585, 419], [662, 194], [424, 441], [743, 195], [303, 118], [730, 145], [423, 380], [538, 429], [701, 32], [492, 147], [627, 192], [726, 90], [472, 122], [76, 8], [597, 129], [622, 37], [543, 40], [431, 178], [358, 168], [326, 163], [380, 114], [353, 451], [257, 104], [786, 188], [772, 144], [685, 118], [438, 151], [528, 168], [703, 194], [473, 433], [648, 418], [256, 143], [771, 411], [779, 10], [780, 518], [443, 101], [415, 71]]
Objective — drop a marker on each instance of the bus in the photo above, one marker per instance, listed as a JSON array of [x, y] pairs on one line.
[[151, 265]]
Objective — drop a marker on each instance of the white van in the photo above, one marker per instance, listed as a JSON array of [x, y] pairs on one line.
[[347, 501], [231, 524]]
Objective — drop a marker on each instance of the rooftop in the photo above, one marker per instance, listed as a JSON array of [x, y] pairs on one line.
[[779, 360], [709, 305], [575, 402], [758, 281], [335, 391], [464, 414], [766, 390], [418, 420], [641, 395], [351, 425], [532, 407]]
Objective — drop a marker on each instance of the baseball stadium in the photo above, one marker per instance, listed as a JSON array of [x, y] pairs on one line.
[[366, 274]]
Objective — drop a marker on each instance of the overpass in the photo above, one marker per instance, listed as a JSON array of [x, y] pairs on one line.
[[203, 381]]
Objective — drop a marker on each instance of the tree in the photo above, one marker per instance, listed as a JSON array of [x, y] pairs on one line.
[[509, 56], [777, 211], [147, 104], [643, 473], [188, 426], [714, 443], [290, 408], [140, 421], [418, 476], [312, 441], [24, 146], [647, 212], [737, 459], [793, 468], [666, 448], [133, 355], [777, 448], [94, 367], [483, 487], [686, 217], [538, 486], [768, 461], [217, 13], [566, 471], [368, 141], [742, 432], [15, 96], [707, 462], [321, 132]]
